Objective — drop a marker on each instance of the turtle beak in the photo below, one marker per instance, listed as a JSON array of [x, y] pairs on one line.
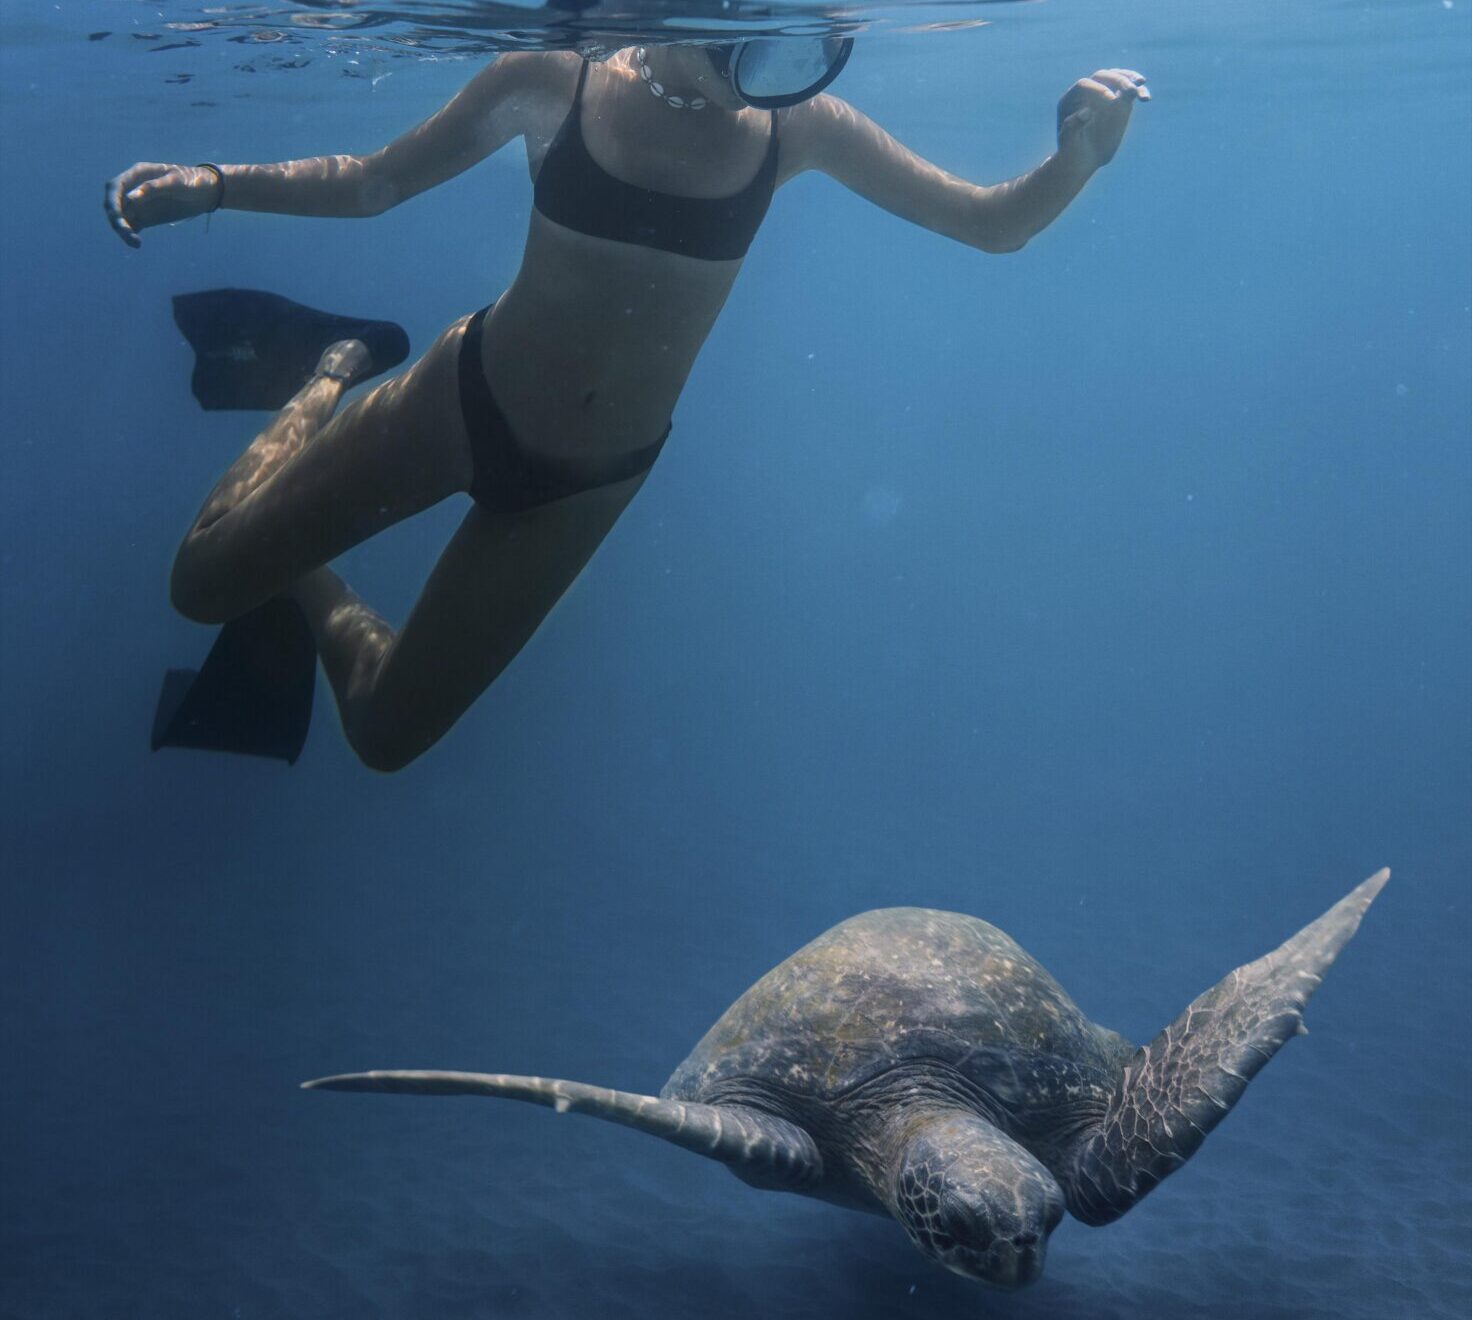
[[1006, 1265], [1017, 1264]]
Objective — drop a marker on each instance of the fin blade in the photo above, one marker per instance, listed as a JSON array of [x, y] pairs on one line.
[[762, 1149], [1175, 1090], [177, 684], [254, 350], [253, 694]]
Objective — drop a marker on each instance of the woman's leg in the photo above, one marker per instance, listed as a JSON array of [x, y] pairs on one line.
[[308, 489], [399, 692]]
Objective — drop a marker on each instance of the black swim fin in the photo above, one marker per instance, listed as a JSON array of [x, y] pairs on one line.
[[253, 694], [255, 350]]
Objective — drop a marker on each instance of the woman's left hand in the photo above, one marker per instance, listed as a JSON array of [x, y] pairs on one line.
[[1095, 111]]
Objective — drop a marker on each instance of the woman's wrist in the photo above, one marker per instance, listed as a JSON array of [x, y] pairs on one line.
[[1074, 161], [219, 182]]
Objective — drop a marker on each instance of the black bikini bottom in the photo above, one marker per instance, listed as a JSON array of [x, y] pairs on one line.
[[507, 478]]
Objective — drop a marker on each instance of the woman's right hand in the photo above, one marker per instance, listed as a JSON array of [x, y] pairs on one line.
[[145, 195]]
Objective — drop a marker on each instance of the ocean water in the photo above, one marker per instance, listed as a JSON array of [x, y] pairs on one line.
[[1115, 591]]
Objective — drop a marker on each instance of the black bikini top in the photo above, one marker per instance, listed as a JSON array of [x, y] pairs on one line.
[[573, 190]]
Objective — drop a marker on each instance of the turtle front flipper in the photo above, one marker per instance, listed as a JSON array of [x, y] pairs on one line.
[[1176, 1089], [761, 1149]]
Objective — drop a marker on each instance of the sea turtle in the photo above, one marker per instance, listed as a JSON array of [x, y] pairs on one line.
[[920, 1064]]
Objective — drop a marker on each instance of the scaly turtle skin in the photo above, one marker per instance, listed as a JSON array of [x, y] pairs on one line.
[[920, 1064]]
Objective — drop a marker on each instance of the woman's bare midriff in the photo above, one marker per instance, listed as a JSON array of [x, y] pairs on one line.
[[589, 348]]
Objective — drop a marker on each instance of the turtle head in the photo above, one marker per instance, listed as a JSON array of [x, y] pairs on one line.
[[974, 1201]]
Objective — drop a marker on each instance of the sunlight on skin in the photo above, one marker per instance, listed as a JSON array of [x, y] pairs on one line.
[[617, 322], [281, 441]]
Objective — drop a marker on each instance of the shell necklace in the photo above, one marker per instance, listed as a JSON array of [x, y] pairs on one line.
[[674, 102]]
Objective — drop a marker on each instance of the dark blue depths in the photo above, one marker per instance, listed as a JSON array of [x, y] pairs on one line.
[[1115, 591]]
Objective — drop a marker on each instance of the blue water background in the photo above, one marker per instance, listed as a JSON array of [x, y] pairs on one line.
[[1116, 591]]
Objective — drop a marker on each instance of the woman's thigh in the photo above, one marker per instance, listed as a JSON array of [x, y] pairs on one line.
[[494, 584], [396, 451]]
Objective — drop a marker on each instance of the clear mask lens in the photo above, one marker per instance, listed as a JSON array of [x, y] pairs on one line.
[[777, 71]]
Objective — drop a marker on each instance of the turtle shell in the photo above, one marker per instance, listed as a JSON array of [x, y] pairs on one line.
[[893, 986]]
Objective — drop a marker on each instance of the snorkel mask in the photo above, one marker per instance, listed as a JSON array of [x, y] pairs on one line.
[[772, 72]]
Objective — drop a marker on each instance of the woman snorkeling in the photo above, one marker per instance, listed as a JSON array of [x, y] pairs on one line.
[[652, 172]]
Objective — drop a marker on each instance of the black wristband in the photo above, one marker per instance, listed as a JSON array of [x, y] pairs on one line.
[[219, 178]]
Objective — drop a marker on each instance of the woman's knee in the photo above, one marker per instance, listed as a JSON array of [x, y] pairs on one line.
[[385, 736], [202, 592], [385, 750], [190, 590], [386, 763]]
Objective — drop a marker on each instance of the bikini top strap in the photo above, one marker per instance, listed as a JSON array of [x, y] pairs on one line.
[[577, 98]]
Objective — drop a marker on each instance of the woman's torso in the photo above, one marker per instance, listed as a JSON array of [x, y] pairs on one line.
[[593, 341]]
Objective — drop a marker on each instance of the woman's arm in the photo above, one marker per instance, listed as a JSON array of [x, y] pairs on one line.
[[484, 116], [830, 135]]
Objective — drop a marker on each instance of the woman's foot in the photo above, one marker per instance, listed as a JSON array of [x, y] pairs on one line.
[[347, 361]]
